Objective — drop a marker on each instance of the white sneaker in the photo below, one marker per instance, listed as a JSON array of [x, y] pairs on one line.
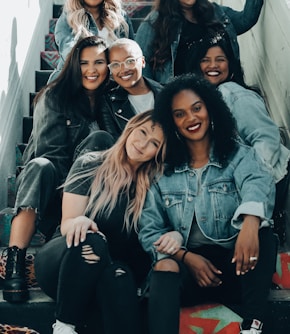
[[62, 328], [255, 328]]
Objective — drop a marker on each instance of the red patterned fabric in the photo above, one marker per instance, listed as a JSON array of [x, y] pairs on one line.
[[282, 274], [209, 319], [131, 6]]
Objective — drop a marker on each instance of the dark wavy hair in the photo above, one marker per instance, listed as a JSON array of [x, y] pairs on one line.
[[168, 22], [220, 38], [223, 132], [66, 93]]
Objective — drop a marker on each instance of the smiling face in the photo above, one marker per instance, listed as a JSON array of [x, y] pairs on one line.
[[128, 78], [190, 116], [94, 67], [215, 65], [143, 143], [92, 3], [187, 3]]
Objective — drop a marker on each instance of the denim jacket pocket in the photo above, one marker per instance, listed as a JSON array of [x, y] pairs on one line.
[[173, 205], [224, 198]]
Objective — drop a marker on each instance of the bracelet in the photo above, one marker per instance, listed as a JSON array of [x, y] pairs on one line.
[[183, 255]]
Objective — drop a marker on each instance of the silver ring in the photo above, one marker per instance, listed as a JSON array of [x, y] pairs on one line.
[[253, 258]]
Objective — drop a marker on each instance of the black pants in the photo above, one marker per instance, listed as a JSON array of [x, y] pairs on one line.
[[38, 181], [169, 291], [83, 280], [279, 214]]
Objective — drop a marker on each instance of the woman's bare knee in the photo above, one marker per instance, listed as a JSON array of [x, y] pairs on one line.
[[166, 265]]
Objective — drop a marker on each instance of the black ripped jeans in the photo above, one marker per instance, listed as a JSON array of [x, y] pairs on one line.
[[83, 280]]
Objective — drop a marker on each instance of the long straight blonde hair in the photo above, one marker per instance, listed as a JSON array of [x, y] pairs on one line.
[[114, 177], [111, 17]]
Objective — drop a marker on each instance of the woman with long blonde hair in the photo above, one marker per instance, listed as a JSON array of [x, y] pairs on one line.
[[83, 18], [96, 258]]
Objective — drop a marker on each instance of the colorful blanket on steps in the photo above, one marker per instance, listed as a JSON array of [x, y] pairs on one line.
[[10, 329]]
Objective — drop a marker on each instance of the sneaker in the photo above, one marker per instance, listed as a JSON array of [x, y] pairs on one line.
[[62, 328], [252, 326]]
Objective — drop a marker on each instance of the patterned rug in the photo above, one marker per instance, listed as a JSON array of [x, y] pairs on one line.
[[9, 329], [209, 319], [282, 274], [29, 270]]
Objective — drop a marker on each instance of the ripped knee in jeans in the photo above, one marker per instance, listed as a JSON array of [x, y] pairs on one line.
[[89, 255]]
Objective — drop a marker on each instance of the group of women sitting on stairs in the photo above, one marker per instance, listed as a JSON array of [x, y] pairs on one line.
[[151, 167]]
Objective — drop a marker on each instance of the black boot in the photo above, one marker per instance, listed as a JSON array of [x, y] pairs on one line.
[[15, 287]]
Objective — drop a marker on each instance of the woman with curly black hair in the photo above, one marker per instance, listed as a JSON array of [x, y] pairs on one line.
[[218, 198], [216, 63], [172, 32]]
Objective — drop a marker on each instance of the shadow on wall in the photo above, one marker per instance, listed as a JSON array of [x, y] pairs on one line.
[[10, 118]]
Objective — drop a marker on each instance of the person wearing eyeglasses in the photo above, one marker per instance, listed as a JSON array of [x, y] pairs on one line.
[[133, 94]]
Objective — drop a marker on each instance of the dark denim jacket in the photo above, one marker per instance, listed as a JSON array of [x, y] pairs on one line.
[[116, 109], [235, 23], [55, 136]]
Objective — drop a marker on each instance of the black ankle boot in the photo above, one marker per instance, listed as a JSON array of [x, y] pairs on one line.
[[15, 287]]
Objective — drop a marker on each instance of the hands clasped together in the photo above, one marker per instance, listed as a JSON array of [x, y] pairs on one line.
[[206, 274]]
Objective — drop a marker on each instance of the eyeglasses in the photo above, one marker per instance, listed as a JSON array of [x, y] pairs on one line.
[[129, 63]]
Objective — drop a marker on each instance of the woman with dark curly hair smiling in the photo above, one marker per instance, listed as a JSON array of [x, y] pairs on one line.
[[207, 222]]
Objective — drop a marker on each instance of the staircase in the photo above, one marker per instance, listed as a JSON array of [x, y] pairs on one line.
[[37, 315]]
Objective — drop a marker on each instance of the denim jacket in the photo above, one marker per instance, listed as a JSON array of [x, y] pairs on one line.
[[116, 108], [235, 23], [56, 136], [256, 128], [218, 197], [65, 37]]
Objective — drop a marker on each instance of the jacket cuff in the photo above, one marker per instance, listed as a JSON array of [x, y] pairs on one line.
[[250, 208]]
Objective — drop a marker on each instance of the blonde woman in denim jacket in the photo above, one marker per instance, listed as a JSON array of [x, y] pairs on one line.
[[82, 18], [173, 31], [206, 222]]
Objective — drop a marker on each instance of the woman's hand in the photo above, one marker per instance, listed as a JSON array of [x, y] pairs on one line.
[[247, 245], [77, 230], [169, 243], [204, 272]]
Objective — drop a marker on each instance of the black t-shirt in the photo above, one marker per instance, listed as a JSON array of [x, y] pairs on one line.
[[192, 34], [123, 245]]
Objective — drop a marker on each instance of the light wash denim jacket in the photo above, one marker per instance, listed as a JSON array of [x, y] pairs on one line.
[[235, 23], [256, 128], [218, 199]]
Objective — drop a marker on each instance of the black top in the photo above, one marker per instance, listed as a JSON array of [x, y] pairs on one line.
[[192, 34], [123, 245]]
